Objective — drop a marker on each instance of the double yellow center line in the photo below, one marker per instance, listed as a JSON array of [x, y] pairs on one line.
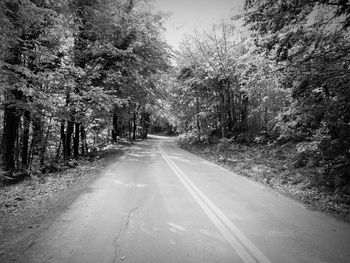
[[246, 250]]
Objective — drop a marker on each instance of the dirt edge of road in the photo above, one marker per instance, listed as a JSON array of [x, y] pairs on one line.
[[28, 209]]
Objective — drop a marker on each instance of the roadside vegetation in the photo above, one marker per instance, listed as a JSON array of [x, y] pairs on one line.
[[75, 75], [271, 98]]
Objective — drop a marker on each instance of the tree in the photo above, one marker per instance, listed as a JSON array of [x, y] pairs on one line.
[[310, 41], [30, 51], [223, 85], [67, 67], [213, 62]]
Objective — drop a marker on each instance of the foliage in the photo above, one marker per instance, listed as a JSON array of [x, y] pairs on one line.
[[223, 87], [188, 138], [69, 69], [310, 41]]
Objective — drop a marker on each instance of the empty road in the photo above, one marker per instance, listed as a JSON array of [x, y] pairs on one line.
[[159, 203]]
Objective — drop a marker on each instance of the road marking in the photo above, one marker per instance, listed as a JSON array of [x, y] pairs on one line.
[[248, 252]]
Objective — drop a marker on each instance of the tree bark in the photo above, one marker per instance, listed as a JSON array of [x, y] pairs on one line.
[[130, 128], [197, 120], [69, 133], [11, 122], [266, 118], [83, 140], [223, 116], [44, 143], [115, 126], [37, 138], [145, 124], [63, 139], [134, 127], [228, 105], [25, 138], [76, 139], [244, 113]]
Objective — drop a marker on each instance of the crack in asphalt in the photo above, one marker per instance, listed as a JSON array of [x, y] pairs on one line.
[[123, 227], [116, 244]]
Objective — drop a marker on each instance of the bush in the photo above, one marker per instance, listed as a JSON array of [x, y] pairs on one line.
[[224, 144], [188, 138]]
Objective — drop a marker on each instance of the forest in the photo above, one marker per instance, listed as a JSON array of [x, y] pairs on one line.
[[79, 74], [75, 75]]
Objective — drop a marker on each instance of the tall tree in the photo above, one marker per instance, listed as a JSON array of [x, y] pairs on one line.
[[29, 50], [310, 41], [65, 65]]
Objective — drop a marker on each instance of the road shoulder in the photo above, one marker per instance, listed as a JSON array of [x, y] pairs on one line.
[[27, 209]]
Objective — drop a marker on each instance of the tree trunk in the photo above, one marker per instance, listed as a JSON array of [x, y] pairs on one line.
[[44, 143], [25, 139], [130, 128], [145, 124], [228, 106], [142, 124], [63, 139], [223, 116], [115, 126], [197, 120], [266, 119], [134, 127], [83, 143], [37, 138], [11, 122], [69, 133], [232, 109], [244, 113], [76, 140], [18, 144]]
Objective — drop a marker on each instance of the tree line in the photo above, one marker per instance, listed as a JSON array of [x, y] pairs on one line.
[[75, 74], [278, 72]]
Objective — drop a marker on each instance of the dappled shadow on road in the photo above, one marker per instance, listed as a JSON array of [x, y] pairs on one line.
[[141, 151], [176, 228], [144, 150], [185, 160], [135, 148], [119, 182], [161, 138], [139, 155]]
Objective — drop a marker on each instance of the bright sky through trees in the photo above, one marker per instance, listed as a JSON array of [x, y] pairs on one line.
[[190, 14]]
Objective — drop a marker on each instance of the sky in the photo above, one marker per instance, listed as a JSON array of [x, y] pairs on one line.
[[186, 15]]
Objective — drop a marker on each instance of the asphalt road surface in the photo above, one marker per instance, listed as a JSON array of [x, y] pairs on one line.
[[159, 203]]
